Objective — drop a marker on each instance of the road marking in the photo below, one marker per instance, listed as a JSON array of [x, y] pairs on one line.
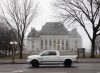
[[16, 71], [98, 72], [52, 72], [19, 71], [56, 72]]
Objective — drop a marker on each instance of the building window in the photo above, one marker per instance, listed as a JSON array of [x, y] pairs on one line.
[[41, 47], [62, 48], [37, 48], [45, 42], [75, 46], [75, 41], [49, 42], [32, 46], [58, 41], [45, 47], [62, 42], [54, 43], [41, 42], [58, 44], [33, 42], [66, 44]]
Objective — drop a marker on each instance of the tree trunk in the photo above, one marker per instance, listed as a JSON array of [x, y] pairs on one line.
[[99, 50], [21, 49], [93, 49]]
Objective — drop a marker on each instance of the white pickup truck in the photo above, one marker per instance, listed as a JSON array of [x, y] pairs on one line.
[[51, 57]]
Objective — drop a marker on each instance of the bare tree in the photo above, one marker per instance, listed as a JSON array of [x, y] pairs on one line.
[[6, 36], [21, 13], [86, 13]]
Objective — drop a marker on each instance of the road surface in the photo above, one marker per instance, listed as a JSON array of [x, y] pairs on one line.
[[76, 68]]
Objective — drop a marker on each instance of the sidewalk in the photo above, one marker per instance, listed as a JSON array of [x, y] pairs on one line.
[[16, 61], [23, 61]]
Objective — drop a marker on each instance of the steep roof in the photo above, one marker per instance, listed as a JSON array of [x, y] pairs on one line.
[[74, 33], [54, 28], [33, 33]]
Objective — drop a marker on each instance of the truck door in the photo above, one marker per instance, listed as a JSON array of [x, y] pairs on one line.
[[49, 57]]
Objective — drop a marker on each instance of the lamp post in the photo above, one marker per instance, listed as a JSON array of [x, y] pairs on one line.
[[13, 50]]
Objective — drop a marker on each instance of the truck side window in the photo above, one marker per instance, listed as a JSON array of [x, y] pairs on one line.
[[45, 54], [51, 53]]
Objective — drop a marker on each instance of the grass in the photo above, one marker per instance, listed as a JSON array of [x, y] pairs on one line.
[[88, 56], [16, 56], [98, 56]]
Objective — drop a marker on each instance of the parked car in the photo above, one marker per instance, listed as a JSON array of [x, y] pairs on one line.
[[51, 57]]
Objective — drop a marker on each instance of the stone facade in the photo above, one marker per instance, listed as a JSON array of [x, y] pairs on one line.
[[53, 35], [97, 44]]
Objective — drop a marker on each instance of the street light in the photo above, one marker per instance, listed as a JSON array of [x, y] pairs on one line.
[[13, 54]]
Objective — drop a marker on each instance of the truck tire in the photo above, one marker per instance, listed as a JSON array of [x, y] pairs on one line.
[[68, 63], [35, 63]]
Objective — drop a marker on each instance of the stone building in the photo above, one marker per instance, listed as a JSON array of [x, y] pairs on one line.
[[55, 36], [97, 44]]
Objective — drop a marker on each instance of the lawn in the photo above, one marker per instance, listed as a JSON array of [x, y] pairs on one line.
[[87, 55], [16, 56]]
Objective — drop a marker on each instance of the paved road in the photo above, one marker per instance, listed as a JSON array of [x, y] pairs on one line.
[[76, 68]]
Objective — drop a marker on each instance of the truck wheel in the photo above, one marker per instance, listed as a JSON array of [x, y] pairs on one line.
[[35, 63], [68, 63]]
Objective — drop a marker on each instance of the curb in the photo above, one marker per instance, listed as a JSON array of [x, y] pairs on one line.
[[86, 62], [13, 63], [26, 63]]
